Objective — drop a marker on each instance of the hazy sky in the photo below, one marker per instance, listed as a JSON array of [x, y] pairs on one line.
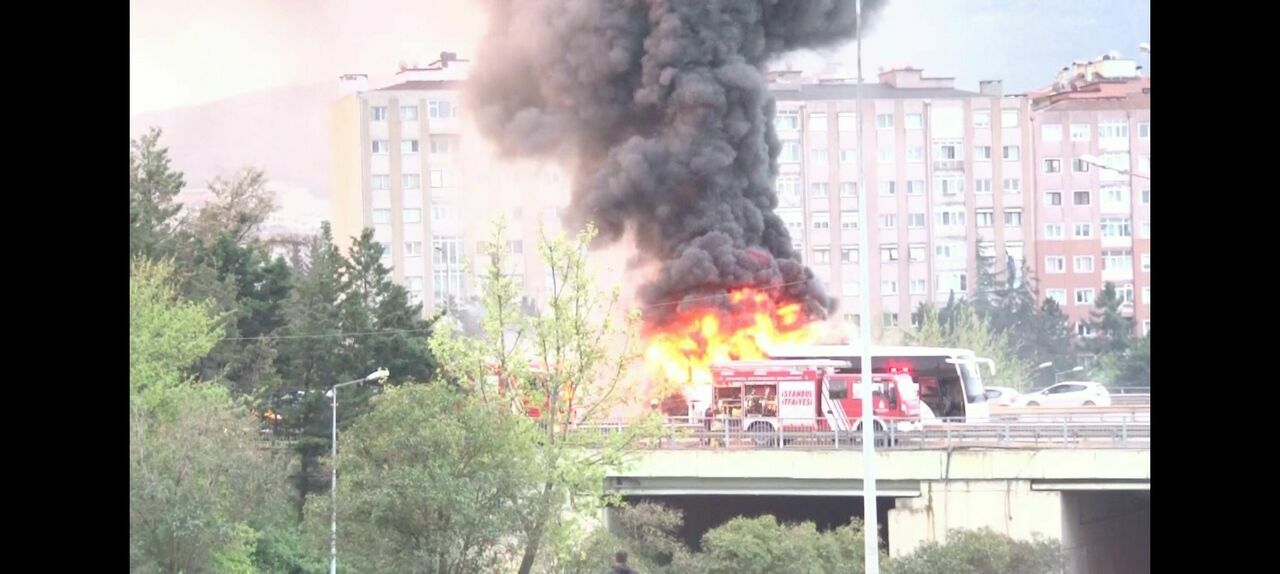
[[185, 52]]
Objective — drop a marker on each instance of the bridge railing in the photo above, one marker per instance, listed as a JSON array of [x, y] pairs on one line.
[[811, 433]]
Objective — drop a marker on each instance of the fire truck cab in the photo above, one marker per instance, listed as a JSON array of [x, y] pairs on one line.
[[808, 395]]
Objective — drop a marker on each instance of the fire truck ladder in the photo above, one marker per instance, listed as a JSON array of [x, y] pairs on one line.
[[837, 419]]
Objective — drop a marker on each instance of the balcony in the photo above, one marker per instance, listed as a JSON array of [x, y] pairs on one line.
[[948, 165]]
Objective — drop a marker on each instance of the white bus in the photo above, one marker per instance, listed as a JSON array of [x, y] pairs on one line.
[[950, 379]]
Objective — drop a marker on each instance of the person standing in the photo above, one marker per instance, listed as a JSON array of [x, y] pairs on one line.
[[620, 565]]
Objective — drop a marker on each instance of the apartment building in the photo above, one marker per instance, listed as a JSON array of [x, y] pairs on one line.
[[1091, 133], [948, 172], [408, 163]]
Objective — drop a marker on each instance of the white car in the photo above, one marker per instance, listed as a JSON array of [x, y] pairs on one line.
[[1002, 396], [1069, 394]]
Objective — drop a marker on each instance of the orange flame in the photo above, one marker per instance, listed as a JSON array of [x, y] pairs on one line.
[[681, 352]]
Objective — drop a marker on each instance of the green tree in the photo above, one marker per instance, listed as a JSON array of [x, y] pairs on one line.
[[312, 359], [1051, 337], [153, 184], [966, 329], [762, 545], [981, 551], [568, 361], [432, 479], [1112, 331], [200, 489], [1130, 368]]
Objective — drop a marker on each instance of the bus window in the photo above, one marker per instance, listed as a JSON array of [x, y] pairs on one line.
[[837, 389]]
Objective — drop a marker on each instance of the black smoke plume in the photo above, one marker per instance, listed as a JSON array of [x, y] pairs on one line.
[[663, 107]]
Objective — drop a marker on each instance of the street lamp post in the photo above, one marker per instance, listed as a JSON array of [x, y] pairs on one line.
[[871, 530], [1057, 376], [375, 377]]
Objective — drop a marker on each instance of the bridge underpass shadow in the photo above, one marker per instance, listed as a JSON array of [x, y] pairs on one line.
[[705, 512]]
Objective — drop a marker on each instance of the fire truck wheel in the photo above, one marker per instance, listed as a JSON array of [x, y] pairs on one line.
[[762, 433]]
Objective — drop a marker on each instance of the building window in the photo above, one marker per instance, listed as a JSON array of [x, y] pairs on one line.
[[413, 249], [982, 153], [914, 121], [1053, 198], [947, 151], [848, 255], [1080, 132], [381, 147], [848, 220], [888, 287], [847, 121], [1146, 327], [982, 186], [789, 121], [822, 255], [1144, 164], [1144, 230], [917, 287], [413, 284], [1055, 264], [888, 253], [886, 153], [408, 113], [1008, 118], [437, 179], [818, 155], [1058, 295], [1116, 227], [1011, 152], [1146, 262], [888, 188], [818, 189], [788, 190], [1012, 185], [1013, 249], [380, 182], [1144, 130], [1053, 231], [1084, 296], [986, 217], [1146, 295], [915, 154], [1125, 293], [1082, 231], [1117, 260], [382, 216], [1080, 197], [441, 109], [949, 251], [821, 220], [888, 221], [848, 189], [948, 184], [410, 181], [413, 215], [790, 152], [884, 121], [890, 320], [440, 212], [915, 221], [952, 281], [848, 155], [408, 146], [441, 145], [1013, 218], [915, 187], [1083, 264], [915, 253], [1052, 165], [982, 118], [1051, 132], [818, 122], [1113, 130], [1079, 165], [1116, 195], [950, 218], [378, 113], [1083, 329], [1146, 196]]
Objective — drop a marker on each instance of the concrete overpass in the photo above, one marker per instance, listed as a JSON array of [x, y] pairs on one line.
[[1094, 500]]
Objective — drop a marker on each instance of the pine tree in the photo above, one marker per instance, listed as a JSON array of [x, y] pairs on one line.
[[152, 188], [1112, 331]]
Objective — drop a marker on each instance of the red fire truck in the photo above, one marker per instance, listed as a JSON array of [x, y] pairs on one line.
[[808, 395]]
